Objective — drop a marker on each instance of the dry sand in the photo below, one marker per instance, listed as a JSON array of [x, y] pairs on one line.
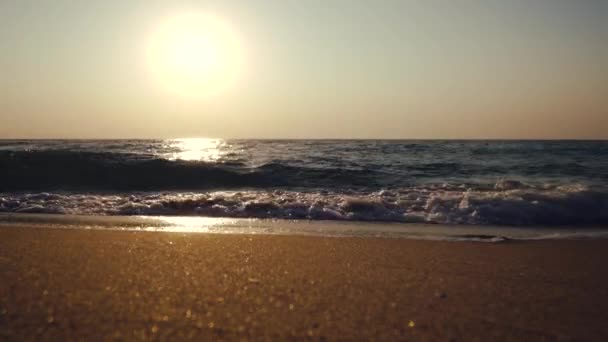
[[76, 284]]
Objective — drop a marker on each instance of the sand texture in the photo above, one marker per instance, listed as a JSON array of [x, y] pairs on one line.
[[59, 284]]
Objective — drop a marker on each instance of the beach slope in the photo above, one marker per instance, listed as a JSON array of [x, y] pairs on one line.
[[82, 284]]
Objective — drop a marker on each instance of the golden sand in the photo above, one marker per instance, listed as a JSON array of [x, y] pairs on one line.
[[75, 284]]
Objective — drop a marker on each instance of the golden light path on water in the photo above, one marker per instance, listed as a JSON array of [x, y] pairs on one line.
[[180, 224], [197, 149], [252, 226]]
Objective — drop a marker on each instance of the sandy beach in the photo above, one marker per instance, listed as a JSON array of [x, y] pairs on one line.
[[76, 284]]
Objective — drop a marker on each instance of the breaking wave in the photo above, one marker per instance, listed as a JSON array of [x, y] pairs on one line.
[[506, 203], [521, 183]]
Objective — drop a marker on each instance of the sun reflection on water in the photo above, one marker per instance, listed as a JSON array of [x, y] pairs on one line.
[[197, 149], [181, 224]]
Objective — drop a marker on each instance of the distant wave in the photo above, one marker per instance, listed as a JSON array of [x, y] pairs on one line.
[[68, 170], [48, 170], [507, 203]]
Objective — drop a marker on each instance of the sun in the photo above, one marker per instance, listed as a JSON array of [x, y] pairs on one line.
[[195, 54]]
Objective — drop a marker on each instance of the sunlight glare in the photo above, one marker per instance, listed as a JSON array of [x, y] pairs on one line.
[[195, 54], [182, 224], [197, 149]]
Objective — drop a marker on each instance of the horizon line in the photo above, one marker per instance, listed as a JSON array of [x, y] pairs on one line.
[[320, 139]]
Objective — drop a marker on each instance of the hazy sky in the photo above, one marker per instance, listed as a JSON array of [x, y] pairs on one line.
[[313, 69]]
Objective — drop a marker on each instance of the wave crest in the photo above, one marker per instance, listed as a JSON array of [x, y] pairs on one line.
[[515, 204]]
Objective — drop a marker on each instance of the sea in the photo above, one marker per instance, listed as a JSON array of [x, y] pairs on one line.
[[490, 190]]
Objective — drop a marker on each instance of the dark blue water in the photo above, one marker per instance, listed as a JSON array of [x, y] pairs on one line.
[[464, 182]]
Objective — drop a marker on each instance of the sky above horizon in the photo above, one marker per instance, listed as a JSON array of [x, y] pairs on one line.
[[469, 69]]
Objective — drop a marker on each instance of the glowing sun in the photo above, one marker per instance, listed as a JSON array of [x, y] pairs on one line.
[[195, 54]]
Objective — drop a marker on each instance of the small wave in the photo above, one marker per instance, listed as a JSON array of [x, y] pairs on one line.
[[69, 170], [509, 203]]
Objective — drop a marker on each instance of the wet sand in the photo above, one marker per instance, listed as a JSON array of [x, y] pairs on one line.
[[77, 284]]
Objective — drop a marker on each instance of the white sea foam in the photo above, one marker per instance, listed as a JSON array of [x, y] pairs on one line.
[[507, 204]]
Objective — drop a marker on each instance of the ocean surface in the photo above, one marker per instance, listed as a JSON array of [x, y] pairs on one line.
[[464, 183]]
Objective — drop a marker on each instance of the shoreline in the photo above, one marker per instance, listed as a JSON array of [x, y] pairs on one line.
[[318, 228], [69, 283]]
